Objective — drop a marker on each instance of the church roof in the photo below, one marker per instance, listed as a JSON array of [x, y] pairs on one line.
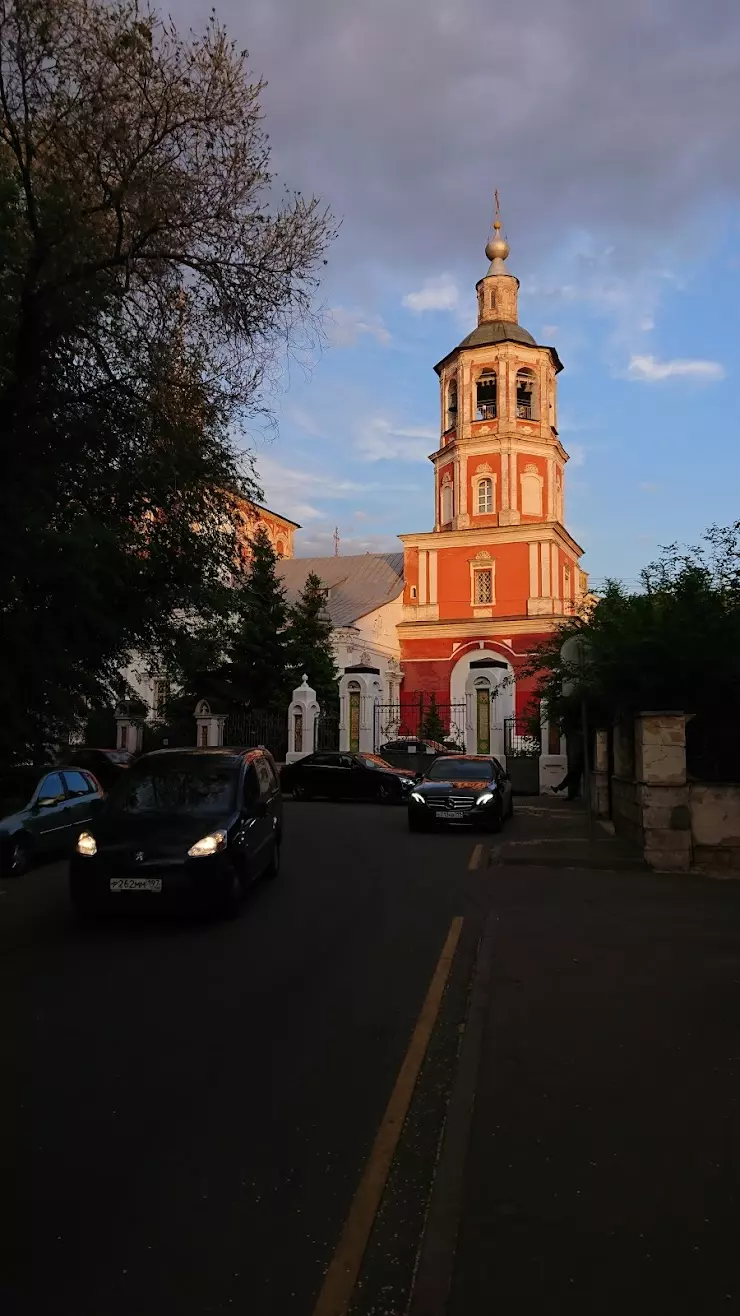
[[357, 585], [497, 331]]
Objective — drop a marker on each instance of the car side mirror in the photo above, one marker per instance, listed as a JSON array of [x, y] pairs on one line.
[[419, 777], [47, 802]]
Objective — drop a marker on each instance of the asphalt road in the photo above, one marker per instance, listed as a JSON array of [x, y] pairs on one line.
[[187, 1106]]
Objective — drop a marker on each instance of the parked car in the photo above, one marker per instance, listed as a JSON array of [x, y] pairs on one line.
[[107, 764], [183, 825], [346, 777], [461, 790], [42, 811], [413, 753]]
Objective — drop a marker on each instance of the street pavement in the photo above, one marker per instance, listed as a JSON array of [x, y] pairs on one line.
[[187, 1106], [199, 1116]]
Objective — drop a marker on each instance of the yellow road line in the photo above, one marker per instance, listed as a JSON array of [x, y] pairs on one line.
[[340, 1278], [475, 858]]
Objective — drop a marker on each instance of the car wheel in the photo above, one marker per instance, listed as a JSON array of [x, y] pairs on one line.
[[16, 857], [384, 793], [273, 868], [300, 793]]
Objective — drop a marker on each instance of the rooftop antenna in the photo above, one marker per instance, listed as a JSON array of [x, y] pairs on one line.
[[335, 537]]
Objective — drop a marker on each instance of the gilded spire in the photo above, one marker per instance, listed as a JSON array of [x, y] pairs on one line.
[[497, 248]]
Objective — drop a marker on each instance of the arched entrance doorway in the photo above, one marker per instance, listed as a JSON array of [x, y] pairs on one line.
[[482, 679]]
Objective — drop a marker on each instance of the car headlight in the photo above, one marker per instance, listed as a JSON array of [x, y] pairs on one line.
[[417, 797], [407, 781], [208, 845], [485, 798], [87, 845]]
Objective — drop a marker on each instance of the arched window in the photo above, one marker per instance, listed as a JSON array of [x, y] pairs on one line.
[[280, 548], [451, 405], [485, 496], [526, 395], [447, 504], [486, 396]]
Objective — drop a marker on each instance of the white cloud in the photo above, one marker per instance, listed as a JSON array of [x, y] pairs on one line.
[[649, 370], [344, 327], [439, 293], [577, 454], [378, 439]]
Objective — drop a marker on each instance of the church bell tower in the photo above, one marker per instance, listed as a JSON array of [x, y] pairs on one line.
[[499, 570]]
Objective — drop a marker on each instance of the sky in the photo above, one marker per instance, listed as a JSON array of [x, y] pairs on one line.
[[611, 134]]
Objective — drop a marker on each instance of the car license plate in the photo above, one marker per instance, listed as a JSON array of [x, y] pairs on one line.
[[136, 884], [448, 814]]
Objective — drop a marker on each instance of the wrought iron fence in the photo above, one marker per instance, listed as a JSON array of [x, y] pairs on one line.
[[326, 731], [519, 739], [423, 719], [246, 728]]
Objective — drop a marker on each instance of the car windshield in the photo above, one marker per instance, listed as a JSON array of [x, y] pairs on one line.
[[118, 755], [198, 791], [374, 761], [460, 770]]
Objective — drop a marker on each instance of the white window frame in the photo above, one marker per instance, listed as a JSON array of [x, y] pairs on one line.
[[477, 482], [478, 564]]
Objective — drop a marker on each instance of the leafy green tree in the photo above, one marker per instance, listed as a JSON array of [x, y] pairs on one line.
[[145, 289], [309, 644], [432, 727], [258, 648], [673, 644]]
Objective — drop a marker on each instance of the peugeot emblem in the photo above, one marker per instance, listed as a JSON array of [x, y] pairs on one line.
[[139, 857]]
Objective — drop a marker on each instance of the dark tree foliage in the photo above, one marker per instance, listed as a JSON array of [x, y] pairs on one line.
[[258, 644], [309, 647], [145, 287], [672, 645], [432, 726]]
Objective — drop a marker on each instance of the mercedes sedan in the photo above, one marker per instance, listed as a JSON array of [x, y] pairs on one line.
[[464, 790]]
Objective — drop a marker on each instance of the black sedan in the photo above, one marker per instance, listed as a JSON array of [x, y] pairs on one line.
[[188, 826], [346, 777], [464, 790]]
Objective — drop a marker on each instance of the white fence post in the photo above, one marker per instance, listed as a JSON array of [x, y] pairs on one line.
[[302, 715], [209, 725]]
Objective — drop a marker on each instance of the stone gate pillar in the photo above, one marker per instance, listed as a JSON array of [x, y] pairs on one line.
[[129, 715], [209, 725], [302, 716], [660, 775]]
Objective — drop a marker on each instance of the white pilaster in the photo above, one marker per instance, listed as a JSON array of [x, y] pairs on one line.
[[423, 556], [545, 553], [432, 562], [534, 574], [550, 488]]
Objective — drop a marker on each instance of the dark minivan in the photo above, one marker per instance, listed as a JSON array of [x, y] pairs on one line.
[[195, 826]]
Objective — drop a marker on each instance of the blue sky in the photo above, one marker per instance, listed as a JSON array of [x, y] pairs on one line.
[[610, 133], [647, 399]]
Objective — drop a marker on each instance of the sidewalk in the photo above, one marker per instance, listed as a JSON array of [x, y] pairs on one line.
[[550, 830], [598, 1172]]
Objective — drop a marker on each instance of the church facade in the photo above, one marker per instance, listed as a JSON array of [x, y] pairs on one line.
[[499, 570]]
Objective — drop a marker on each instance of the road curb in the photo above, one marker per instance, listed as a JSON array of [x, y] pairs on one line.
[[435, 1260]]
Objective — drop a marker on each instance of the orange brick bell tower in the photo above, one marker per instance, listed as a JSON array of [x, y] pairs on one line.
[[499, 570]]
